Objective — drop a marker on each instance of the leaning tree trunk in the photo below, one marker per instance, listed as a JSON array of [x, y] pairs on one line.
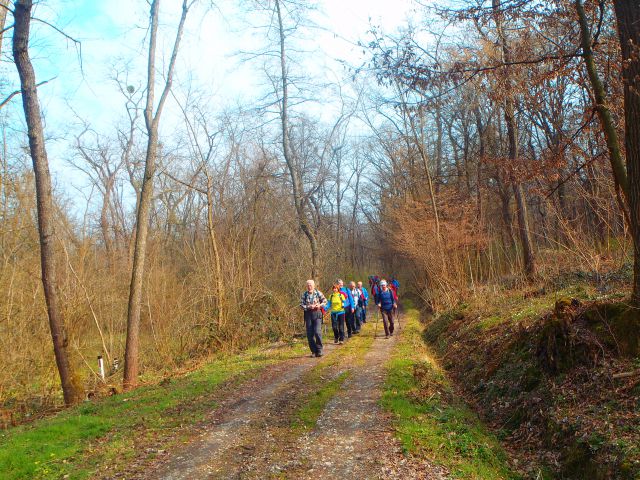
[[71, 387], [152, 122], [601, 105], [628, 18]]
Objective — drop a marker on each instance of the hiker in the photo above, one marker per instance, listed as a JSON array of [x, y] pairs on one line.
[[387, 304], [336, 304], [375, 287], [364, 298], [349, 308], [312, 303], [394, 285], [355, 294]]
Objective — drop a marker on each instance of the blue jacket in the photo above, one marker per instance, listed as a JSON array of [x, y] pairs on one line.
[[386, 299], [365, 294], [350, 303]]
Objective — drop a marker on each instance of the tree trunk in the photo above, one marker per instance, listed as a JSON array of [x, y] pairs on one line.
[[628, 19], [481, 155], [604, 114], [213, 242], [296, 181], [104, 218], [146, 195], [4, 8], [512, 134], [438, 147], [71, 387], [523, 229]]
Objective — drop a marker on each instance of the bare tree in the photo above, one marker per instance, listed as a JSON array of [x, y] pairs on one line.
[[294, 172], [152, 121], [512, 135], [4, 8], [71, 388], [628, 17]]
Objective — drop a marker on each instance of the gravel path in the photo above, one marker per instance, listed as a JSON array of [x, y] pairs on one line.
[[250, 436], [353, 438]]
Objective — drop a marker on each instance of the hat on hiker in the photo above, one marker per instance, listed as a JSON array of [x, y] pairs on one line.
[[383, 283]]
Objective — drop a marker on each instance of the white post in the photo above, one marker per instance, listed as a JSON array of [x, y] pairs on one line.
[[101, 367]]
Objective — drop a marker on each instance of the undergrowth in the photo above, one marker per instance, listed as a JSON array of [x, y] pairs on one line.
[[540, 366]]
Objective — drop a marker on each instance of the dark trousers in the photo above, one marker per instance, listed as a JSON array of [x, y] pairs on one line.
[[337, 324], [387, 321], [351, 321], [313, 325], [358, 318]]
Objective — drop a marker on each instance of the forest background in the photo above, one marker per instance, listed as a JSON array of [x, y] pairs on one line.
[[473, 149]]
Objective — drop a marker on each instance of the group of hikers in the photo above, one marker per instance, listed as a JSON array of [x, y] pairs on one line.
[[347, 308]]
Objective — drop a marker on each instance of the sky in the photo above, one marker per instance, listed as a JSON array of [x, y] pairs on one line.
[[112, 35]]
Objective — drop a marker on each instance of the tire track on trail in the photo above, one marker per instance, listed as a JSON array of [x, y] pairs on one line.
[[354, 438], [231, 422], [250, 435]]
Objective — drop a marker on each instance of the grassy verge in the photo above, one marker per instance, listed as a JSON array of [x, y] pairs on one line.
[[325, 379], [430, 420], [544, 369], [79, 441]]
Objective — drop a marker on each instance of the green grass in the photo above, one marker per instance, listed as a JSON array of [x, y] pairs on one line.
[[80, 440], [430, 420], [493, 308], [307, 415], [323, 390]]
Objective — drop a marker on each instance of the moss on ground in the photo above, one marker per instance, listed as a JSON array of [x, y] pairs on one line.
[[431, 421]]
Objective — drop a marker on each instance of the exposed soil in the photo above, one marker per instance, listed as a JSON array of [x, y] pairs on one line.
[[563, 387], [353, 438], [249, 436]]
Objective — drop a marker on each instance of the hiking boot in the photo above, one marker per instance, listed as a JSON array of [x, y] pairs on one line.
[[335, 341], [312, 355], [340, 342], [386, 337], [319, 354]]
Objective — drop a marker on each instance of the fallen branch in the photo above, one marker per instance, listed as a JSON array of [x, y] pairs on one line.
[[626, 374]]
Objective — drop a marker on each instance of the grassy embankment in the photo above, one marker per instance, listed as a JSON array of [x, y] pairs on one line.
[[431, 421], [543, 366], [110, 431]]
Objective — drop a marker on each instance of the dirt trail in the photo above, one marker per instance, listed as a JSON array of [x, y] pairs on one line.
[[231, 422], [250, 435], [353, 438]]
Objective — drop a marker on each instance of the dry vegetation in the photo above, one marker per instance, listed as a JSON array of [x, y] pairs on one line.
[[495, 157]]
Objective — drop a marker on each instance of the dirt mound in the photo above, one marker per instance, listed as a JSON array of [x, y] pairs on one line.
[[564, 388]]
